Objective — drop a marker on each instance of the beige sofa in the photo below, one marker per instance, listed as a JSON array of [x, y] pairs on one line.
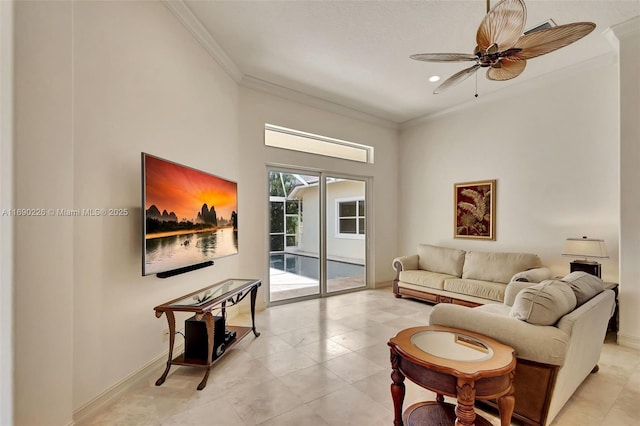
[[557, 336], [440, 274]]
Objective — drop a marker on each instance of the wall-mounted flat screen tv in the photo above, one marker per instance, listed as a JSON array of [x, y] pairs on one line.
[[189, 217]]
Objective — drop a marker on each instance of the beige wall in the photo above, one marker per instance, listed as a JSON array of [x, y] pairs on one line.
[[44, 176], [258, 108], [141, 83], [564, 150], [96, 84], [552, 146], [628, 35]]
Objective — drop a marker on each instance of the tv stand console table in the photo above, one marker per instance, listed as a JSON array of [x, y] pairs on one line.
[[202, 303]]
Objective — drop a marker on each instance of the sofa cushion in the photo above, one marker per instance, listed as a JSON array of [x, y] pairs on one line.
[[497, 267], [424, 278], [484, 289], [584, 285], [544, 303], [440, 259]]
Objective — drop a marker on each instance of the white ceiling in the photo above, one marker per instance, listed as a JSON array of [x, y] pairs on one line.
[[356, 53]]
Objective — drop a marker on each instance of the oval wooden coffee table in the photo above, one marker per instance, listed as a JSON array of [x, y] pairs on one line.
[[451, 362]]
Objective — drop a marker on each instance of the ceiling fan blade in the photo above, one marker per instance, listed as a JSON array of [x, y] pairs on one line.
[[456, 79], [544, 41], [503, 25], [507, 70], [444, 57]]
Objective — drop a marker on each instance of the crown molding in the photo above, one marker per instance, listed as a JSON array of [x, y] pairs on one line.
[[627, 28], [188, 19], [314, 101], [622, 31]]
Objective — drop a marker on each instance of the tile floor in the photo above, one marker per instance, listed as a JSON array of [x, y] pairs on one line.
[[326, 362]]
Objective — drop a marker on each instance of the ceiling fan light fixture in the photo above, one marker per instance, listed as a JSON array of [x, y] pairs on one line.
[[434, 78]]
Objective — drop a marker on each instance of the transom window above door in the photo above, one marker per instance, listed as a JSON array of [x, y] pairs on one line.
[[295, 140]]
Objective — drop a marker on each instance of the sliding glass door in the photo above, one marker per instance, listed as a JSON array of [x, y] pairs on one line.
[[317, 234]]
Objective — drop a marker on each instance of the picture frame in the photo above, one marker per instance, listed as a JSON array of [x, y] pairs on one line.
[[474, 210]]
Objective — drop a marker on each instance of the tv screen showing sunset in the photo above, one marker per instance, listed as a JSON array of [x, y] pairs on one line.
[[190, 216]]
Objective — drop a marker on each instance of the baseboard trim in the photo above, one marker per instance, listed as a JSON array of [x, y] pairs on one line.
[[628, 341], [114, 392], [382, 284]]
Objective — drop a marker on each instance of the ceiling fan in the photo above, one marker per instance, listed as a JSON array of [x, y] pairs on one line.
[[503, 48]]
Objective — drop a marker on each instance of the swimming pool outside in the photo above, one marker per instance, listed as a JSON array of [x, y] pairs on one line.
[[294, 275]]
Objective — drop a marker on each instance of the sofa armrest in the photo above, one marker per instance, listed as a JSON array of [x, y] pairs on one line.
[[544, 344], [534, 275], [400, 264], [600, 308], [587, 325], [404, 263]]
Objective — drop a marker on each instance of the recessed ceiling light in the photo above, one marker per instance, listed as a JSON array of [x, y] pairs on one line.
[[434, 78]]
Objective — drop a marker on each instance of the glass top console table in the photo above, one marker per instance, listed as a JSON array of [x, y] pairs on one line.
[[202, 303]]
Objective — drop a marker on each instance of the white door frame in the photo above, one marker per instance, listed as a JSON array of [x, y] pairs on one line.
[[322, 214]]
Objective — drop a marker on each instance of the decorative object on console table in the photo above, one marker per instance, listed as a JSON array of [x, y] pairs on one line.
[[585, 247], [474, 207], [196, 338]]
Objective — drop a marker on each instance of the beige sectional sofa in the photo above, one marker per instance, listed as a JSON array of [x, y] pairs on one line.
[[445, 275], [557, 328]]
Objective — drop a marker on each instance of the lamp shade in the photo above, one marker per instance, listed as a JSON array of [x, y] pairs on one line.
[[585, 247]]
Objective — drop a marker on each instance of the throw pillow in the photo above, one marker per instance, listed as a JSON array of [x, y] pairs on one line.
[[584, 285], [544, 303]]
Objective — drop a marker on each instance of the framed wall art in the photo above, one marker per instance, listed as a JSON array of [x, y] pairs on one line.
[[474, 207]]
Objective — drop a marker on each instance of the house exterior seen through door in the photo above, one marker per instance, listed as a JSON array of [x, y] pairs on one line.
[[317, 235]]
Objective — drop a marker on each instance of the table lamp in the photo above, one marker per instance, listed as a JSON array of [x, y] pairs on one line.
[[585, 247]]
